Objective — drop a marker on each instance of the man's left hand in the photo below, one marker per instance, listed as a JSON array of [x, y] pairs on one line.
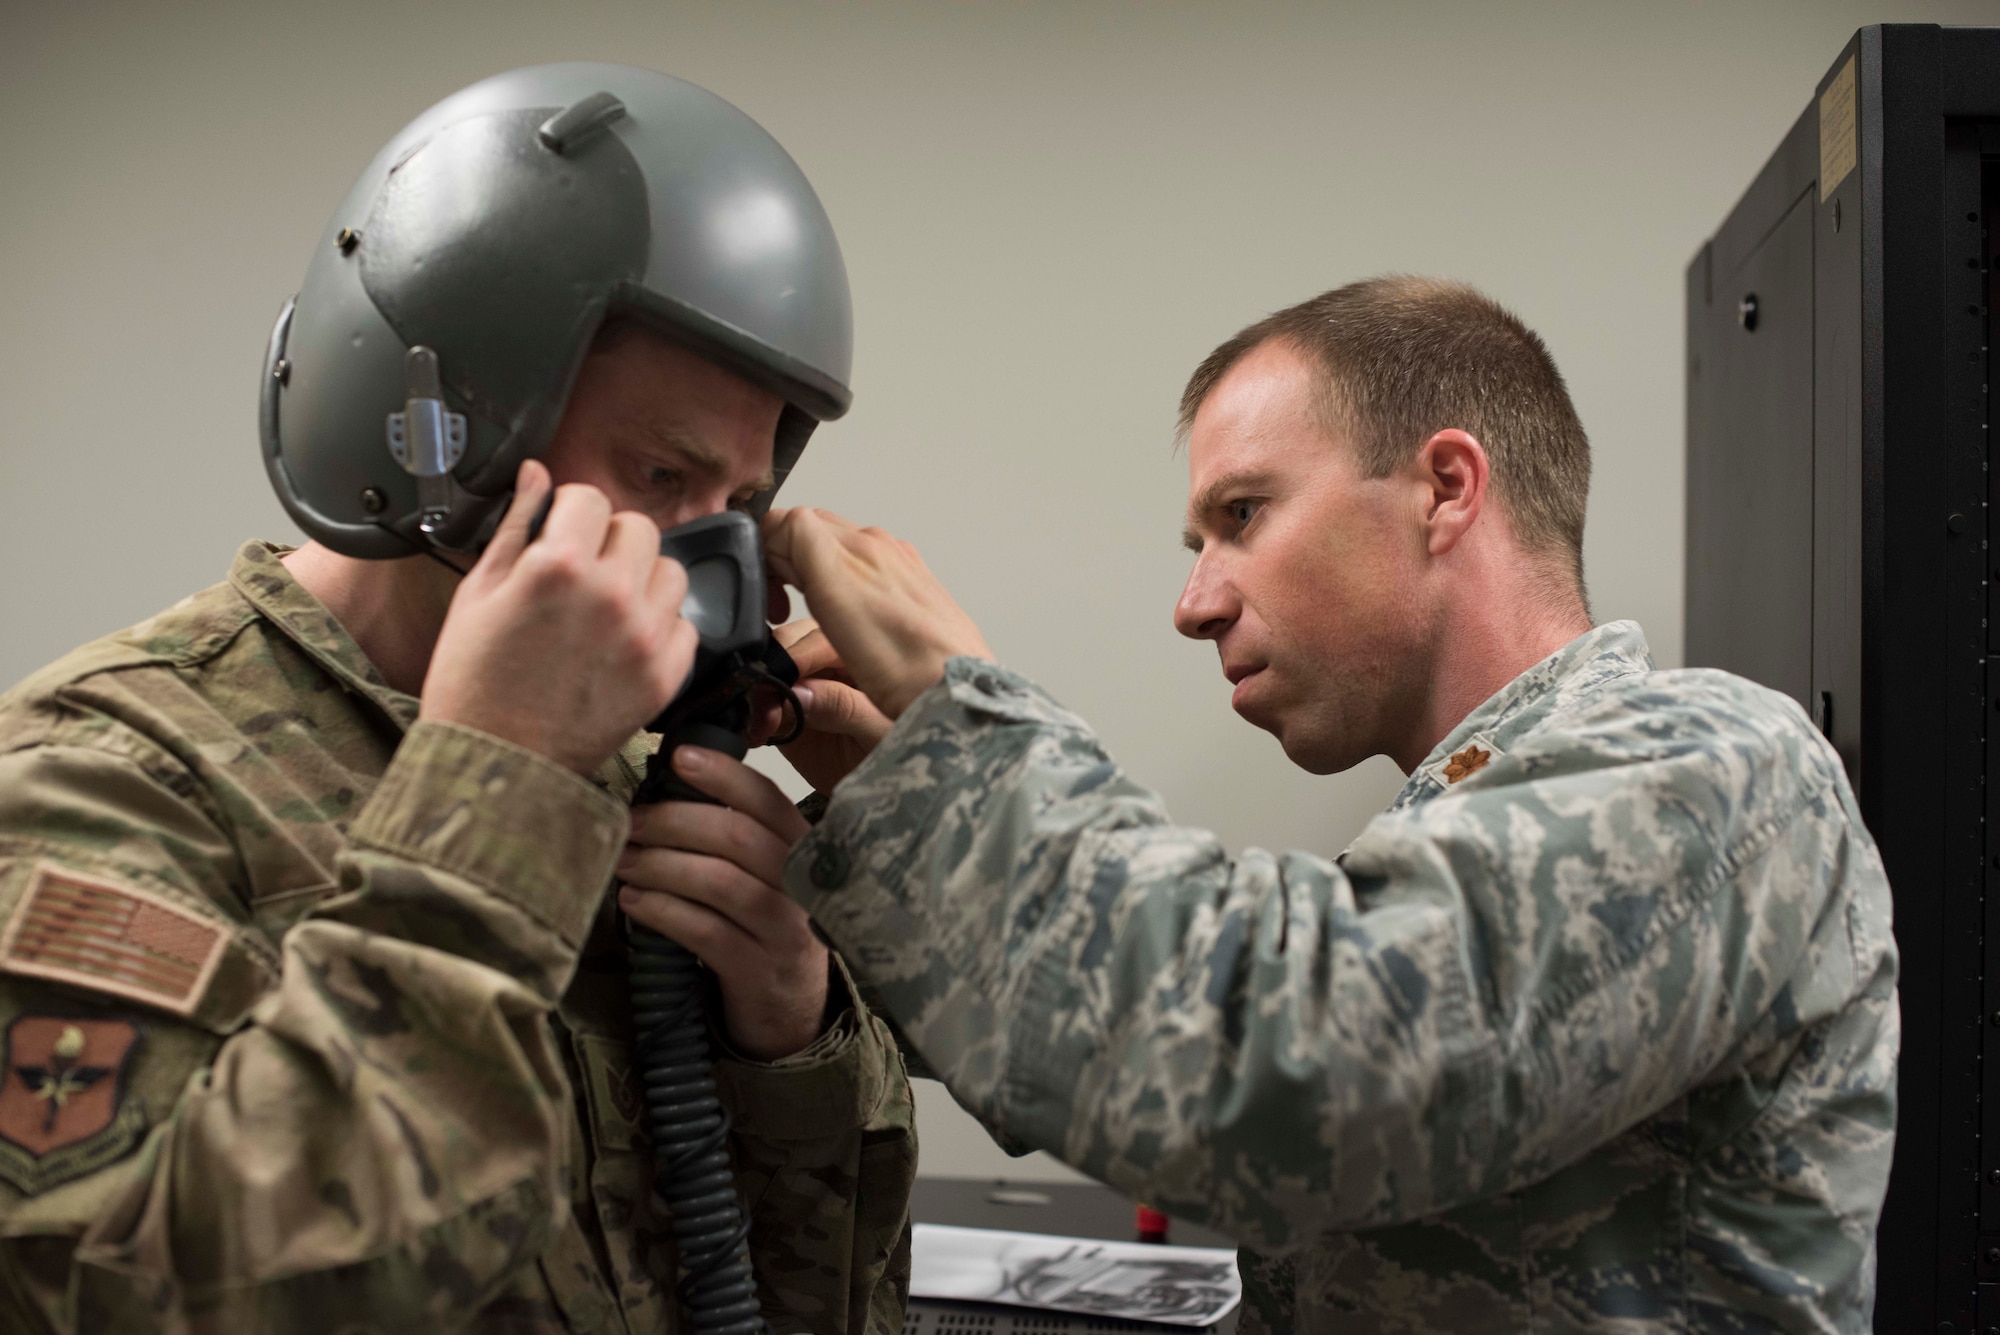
[[709, 877]]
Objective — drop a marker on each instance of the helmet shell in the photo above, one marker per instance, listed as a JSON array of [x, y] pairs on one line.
[[476, 234]]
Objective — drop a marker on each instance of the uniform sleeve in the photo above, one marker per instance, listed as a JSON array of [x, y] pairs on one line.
[[1490, 985], [825, 1143], [385, 1132]]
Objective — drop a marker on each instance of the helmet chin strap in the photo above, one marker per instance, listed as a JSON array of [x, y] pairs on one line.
[[435, 553]]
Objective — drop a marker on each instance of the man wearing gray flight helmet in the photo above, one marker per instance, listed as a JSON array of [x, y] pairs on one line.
[[313, 1000]]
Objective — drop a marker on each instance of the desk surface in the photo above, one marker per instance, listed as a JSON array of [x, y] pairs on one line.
[[1067, 1209]]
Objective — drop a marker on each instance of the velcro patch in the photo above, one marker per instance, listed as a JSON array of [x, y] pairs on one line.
[[108, 937]]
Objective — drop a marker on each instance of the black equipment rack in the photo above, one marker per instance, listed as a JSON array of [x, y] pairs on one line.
[[1841, 548]]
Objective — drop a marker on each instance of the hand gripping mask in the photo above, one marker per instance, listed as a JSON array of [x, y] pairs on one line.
[[460, 283]]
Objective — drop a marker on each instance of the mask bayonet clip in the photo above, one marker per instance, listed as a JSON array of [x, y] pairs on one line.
[[427, 440]]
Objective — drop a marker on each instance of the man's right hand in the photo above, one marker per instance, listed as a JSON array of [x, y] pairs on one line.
[[569, 644]]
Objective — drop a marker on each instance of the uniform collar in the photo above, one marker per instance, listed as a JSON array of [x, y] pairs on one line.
[[1615, 649], [268, 585]]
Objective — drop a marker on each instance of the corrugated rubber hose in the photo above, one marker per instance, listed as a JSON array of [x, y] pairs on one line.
[[676, 1067]]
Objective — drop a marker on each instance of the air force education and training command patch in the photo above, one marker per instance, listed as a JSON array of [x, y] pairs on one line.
[[62, 1108]]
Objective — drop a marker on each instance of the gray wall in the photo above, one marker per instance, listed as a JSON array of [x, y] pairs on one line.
[[1050, 211]]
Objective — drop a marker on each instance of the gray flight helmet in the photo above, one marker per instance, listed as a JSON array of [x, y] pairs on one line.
[[459, 285]]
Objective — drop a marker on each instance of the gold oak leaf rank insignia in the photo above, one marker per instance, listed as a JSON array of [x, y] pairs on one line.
[[1469, 761]]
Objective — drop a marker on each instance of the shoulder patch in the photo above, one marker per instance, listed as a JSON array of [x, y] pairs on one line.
[[108, 937], [62, 1107]]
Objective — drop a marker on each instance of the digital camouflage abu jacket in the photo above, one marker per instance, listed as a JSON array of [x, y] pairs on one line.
[[314, 1019], [1594, 1029]]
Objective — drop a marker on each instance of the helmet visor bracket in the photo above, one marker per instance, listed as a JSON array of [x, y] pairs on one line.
[[427, 440]]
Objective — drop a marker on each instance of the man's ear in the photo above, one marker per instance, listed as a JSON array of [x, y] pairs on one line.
[[1453, 466]]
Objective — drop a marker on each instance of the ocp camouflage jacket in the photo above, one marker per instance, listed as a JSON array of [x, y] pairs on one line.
[[315, 1018], [1594, 1029]]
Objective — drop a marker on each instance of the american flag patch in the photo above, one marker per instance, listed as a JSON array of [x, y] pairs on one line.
[[114, 938]]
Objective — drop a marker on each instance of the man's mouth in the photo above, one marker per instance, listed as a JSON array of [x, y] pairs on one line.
[[1242, 677]]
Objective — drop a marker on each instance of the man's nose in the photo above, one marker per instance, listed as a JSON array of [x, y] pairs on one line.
[[1207, 606]]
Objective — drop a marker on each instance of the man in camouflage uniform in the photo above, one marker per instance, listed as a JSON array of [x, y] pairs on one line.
[[313, 998], [1594, 1029]]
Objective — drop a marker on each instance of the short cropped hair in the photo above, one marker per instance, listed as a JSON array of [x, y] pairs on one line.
[[1403, 358]]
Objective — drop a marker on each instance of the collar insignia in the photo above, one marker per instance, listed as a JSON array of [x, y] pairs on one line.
[[1469, 761]]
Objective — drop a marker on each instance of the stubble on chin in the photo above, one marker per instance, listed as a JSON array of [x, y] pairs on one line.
[[1328, 748], [1352, 714]]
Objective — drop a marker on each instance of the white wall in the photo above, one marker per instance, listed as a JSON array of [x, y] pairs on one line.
[[1050, 212]]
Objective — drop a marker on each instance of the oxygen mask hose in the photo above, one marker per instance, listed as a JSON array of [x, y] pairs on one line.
[[672, 1051], [676, 1066]]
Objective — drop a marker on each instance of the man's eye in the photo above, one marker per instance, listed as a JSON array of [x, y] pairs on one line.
[[661, 477], [1243, 512]]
